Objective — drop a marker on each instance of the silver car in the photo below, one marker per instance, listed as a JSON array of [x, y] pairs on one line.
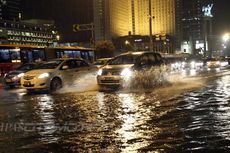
[[101, 62], [123, 66], [53, 74]]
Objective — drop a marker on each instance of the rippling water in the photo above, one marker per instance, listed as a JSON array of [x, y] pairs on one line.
[[173, 119]]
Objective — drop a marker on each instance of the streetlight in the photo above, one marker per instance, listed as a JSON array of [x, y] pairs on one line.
[[58, 37], [225, 44], [226, 37]]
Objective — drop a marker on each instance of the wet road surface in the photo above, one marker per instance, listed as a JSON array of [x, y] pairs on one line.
[[188, 116]]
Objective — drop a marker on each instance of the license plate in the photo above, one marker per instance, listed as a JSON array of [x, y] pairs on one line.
[[27, 82], [109, 74], [8, 80], [108, 78]]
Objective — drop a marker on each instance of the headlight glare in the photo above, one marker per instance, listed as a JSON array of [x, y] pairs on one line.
[[43, 75], [126, 72], [193, 64], [99, 72], [21, 75]]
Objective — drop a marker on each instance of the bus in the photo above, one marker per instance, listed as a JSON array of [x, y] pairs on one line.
[[11, 56]]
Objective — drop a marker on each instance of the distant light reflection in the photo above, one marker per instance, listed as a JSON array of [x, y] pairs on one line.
[[130, 117], [223, 115], [100, 99], [193, 72], [46, 114]]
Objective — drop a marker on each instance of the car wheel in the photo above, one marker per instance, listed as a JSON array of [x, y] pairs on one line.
[[104, 88], [101, 88], [30, 91], [55, 85]]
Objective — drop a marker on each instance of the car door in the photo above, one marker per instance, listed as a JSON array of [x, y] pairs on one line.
[[67, 69], [142, 62], [82, 68]]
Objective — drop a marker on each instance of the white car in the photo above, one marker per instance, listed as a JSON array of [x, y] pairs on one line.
[[53, 74], [101, 62], [122, 67]]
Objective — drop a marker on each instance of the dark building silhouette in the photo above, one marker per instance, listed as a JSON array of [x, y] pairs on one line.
[[10, 9], [191, 22], [65, 13]]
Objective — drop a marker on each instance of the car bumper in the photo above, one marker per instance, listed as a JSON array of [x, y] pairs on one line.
[[11, 82], [35, 83], [109, 80], [214, 65]]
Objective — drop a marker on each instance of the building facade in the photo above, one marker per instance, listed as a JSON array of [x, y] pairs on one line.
[[113, 18], [30, 32], [194, 24]]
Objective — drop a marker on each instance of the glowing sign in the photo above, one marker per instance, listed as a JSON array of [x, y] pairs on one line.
[[207, 10], [138, 40]]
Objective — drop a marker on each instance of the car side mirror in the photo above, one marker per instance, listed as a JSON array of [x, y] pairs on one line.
[[65, 67]]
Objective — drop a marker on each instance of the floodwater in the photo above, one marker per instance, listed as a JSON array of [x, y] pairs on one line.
[[188, 115]]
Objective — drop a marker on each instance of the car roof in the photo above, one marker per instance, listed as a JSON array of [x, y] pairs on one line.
[[103, 59], [65, 59], [138, 53]]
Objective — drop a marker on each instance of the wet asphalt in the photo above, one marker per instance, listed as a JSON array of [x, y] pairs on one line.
[[191, 114]]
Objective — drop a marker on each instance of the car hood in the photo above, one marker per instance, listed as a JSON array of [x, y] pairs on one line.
[[117, 67], [16, 72], [39, 71]]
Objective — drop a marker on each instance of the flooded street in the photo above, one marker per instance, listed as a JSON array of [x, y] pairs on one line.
[[190, 115]]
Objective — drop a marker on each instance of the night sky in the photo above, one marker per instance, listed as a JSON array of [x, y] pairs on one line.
[[221, 20], [65, 13]]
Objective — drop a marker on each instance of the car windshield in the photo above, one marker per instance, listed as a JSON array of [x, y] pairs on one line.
[[100, 62], [26, 67], [50, 65], [124, 59]]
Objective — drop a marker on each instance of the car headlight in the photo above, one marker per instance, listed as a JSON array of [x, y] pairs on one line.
[[21, 75], [43, 75], [126, 72], [99, 72], [193, 64], [217, 62]]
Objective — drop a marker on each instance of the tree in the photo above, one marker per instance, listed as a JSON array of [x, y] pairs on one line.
[[104, 49]]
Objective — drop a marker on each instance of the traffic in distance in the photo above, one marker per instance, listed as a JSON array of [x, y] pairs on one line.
[[109, 72]]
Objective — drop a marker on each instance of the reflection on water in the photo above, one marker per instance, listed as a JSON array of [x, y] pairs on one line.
[[207, 127], [167, 121], [131, 138], [45, 112]]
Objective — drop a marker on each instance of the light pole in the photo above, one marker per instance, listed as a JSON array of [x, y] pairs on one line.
[[150, 27]]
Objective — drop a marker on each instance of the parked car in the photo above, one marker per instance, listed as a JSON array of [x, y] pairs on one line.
[[12, 79], [122, 67], [213, 63], [101, 62], [52, 75]]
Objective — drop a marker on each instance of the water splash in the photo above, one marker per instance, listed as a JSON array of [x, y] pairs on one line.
[[147, 79], [86, 82]]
